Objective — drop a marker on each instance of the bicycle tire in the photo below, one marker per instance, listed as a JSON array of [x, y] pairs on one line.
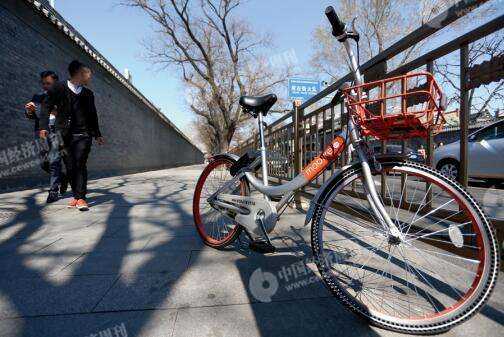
[[429, 324]]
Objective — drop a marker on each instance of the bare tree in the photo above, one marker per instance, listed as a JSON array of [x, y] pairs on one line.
[[380, 23], [218, 59], [483, 98]]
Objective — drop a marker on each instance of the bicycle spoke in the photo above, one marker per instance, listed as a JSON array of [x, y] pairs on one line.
[[443, 278], [400, 199], [331, 210], [438, 231], [408, 277]]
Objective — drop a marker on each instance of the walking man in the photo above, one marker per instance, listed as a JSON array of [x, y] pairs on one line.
[[77, 123], [422, 152], [50, 154]]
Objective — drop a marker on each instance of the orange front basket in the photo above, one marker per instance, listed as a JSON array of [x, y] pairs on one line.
[[400, 107]]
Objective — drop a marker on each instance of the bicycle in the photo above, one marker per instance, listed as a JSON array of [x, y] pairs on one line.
[[396, 241]]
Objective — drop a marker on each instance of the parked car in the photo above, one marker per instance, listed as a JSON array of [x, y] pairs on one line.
[[391, 149], [486, 155], [397, 149]]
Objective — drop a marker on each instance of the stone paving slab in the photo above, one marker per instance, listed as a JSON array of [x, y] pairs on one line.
[[36, 296], [23, 246], [105, 263], [134, 260], [36, 264], [103, 244], [149, 323], [308, 317], [312, 317], [169, 242]]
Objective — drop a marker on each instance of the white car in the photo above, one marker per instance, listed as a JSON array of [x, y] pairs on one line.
[[486, 155]]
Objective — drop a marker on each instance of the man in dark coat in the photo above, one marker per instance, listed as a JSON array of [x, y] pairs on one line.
[[76, 123], [50, 155]]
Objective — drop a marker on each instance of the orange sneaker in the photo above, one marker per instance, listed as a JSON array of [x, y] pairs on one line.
[[82, 205], [72, 203]]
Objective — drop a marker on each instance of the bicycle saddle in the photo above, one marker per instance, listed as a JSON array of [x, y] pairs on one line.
[[258, 103]]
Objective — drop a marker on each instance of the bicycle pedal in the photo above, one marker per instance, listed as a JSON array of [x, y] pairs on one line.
[[262, 247]]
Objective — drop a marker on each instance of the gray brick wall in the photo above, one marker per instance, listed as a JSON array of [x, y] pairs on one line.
[[138, 138]]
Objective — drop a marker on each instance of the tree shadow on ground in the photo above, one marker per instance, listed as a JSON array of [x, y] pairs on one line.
[[59, 304]]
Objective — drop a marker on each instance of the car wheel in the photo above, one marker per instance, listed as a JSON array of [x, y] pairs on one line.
[[450, 169]]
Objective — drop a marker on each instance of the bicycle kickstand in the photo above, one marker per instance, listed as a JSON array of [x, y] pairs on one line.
[[262, 246]]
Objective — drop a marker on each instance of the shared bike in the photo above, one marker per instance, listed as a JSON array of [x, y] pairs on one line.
[[397, 242]]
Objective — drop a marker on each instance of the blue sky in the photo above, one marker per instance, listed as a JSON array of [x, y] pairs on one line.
[[117, 33]]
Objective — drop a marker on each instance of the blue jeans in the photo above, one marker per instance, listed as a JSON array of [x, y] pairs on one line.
[[55, 168]]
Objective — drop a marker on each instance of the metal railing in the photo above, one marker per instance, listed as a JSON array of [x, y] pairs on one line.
[[295, 138]]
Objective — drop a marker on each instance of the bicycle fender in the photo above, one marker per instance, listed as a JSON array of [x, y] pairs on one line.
[[225, 155]]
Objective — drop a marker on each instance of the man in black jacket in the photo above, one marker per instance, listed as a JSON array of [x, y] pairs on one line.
[[77, 123], [50, 156]]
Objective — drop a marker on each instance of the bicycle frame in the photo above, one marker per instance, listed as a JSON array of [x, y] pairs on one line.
[[352, 233], [318, 164]]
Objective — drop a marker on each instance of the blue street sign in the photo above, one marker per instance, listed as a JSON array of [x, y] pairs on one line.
[[303, 89]]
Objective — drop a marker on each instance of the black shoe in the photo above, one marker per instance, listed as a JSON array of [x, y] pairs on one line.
[[64, 184], [52, 197]]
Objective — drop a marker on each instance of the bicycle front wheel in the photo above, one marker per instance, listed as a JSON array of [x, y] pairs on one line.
[[438, 275]]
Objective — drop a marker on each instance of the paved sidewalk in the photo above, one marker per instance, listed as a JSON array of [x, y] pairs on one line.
[[134, 266]]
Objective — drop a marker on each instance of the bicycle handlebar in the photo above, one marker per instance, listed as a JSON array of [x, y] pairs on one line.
[[338, 27]]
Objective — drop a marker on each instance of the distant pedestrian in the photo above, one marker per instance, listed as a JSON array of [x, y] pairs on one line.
[[50, 154], [77, 122], [422, 153]]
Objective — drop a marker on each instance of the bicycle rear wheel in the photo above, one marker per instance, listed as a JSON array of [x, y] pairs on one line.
[[439, 275], [215, 228]]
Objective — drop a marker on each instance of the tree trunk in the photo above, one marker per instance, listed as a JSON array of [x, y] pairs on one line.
[[222, 143]]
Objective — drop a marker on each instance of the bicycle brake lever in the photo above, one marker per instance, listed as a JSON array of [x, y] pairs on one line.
[[354, 29], [354, 34]]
